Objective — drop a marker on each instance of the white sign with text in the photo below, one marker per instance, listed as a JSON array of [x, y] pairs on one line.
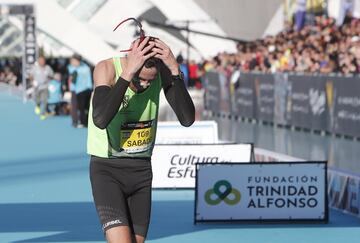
[[261, 191], [174, 165]]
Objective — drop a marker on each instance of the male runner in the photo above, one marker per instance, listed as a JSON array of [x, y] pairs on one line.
[[121, 135]]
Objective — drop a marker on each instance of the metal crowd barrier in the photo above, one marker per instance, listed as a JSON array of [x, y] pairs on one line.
[[321, 103]]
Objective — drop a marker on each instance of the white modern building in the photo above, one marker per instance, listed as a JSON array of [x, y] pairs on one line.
[[85, 26]]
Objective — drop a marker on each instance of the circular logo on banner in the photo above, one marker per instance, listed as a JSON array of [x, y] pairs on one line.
[[223, 191]]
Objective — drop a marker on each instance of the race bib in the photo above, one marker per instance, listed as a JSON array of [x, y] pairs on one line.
[[136, 137]]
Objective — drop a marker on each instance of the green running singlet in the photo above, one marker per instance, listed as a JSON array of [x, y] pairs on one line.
[[132, 131]]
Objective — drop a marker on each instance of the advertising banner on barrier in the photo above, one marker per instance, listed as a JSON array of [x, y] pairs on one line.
[[314, 102], [174, 165], [331, 93], [212, 91], [344, 192], [198, 133], [281, 90], [307, 102], [300, 114], [244, 102], [317, 101], [347, 107], [225, 97], [284, 191], [264, 90]]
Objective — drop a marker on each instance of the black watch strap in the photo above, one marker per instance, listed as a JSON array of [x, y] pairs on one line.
[[180, 76]]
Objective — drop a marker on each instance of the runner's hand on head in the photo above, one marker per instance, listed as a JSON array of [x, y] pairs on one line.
[[165, 54], [136, 57]]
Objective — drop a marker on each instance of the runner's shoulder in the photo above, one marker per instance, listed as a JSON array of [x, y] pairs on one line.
[[105, 66], [104, 72]]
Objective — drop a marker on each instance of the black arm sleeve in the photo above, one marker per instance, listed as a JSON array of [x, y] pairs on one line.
[[178, 98], [106, 102]]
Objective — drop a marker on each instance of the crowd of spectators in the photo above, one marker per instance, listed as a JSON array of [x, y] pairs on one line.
[[10, 71], [319, 47]]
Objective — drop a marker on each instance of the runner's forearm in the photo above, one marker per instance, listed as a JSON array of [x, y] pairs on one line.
[[179, 99], [106, 102]]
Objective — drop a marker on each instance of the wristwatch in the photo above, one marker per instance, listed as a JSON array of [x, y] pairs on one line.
[[180, 76]]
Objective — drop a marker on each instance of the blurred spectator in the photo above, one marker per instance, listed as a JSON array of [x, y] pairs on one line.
[[194, 79], [12, 68], [80, 85], [183, 68], [40, 77], [73, 101], [55, 95], [8, 77], [346, 9], [300, 14]]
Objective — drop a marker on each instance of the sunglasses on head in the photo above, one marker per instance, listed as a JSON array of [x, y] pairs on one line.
[[142, 32]]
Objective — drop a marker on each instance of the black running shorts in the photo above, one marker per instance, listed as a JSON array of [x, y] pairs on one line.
[[121, 189]]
